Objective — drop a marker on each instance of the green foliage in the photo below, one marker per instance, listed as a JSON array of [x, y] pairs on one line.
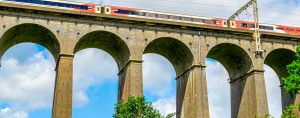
[[266, 116], [292, 85], [292, 82], [137, 108], [288, 113]]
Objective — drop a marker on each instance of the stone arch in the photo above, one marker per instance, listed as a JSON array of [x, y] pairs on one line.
[[108, 42], [243, 79], [174, 50], [234, 58], [278, 59], [33, 33]]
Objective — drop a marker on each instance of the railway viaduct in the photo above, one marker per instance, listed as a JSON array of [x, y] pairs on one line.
[[186, 46]]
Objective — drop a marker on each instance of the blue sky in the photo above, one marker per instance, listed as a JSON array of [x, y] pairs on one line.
[[27, 70]]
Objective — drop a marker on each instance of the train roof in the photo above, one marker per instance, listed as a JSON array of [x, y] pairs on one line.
[[69, 2]]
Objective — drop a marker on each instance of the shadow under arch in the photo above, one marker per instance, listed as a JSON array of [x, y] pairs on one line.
[[173, 50], [238, 63], [234, 58], [278, 59], [32, 33], [108, 42]]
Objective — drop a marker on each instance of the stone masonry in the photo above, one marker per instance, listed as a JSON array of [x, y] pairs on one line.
[[126, 40]]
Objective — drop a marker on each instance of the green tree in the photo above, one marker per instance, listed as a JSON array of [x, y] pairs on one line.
[[292, 85], [137, 108], [292, 82]]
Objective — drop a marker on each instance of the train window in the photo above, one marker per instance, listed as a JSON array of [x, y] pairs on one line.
[[232, 23], [217, 22], [122, 11], [161, 16], [175, 17], [266, 27], [225, 23], [168, 17], [80, 7], [279, 28], [143, 14], [241, 24], [250, 26], [156, 15], [298, 30], [150, 15], [23, 1], [132, 13], [51, 3], [90, 8], [209, 21], [198, 20], [66, 5], [290, 29], [180, 18], [38, 2], [192, 19], [187, 19]]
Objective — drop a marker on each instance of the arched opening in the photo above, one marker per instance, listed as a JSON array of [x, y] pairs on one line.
[[99, 56], [273, 92], [32, 33], [27, 72], [218, 89], [174, 50], [159, 84], [158, 57], [27, 79], [236, 62], [277, 60], [107, 41]]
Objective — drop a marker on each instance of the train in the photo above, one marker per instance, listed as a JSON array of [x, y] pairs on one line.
[[156, 15]]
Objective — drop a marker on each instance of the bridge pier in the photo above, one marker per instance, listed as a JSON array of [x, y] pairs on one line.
[[62, 101], [191, 93], [130, 80], [248, 95]]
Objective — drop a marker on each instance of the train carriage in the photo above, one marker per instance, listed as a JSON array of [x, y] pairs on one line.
[[58, 4], [264, 27], [129, 12]]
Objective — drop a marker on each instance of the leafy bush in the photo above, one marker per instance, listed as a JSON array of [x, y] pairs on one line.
[[137, 108]]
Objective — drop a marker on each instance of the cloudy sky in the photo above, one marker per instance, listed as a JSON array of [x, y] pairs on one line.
[[27, 70]]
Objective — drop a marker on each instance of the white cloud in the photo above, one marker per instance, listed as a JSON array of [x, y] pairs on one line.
[[157, 75], [218, 90], [80, 99], [273, 92], [27, 85], [165, 105], [92, 67], [8, 113]]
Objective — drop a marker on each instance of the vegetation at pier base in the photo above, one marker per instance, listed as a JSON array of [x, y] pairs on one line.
[[137, 108], [288, 113], [292, 85], [266, 116]]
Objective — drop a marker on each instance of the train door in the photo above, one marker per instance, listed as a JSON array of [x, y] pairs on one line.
[[98, 9], [107, 10]]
